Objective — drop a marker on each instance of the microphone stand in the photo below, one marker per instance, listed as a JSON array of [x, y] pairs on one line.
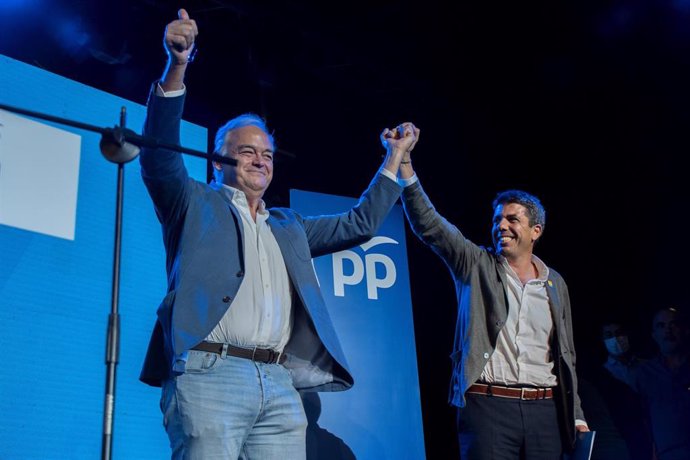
[[112, 348], [118, 145], [118, 138]]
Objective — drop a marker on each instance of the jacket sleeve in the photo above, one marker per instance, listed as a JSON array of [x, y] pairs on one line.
[[578, 413], [444, 238], [163, 171], [331, 233]]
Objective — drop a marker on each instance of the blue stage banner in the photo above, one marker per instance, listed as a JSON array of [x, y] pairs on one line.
[[367, 291], [57, 214], [57, 208]]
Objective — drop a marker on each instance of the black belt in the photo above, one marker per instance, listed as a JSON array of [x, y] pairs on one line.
[[262, 355]]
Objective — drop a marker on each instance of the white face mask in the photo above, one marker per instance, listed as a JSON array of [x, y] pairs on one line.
[[617, 345]]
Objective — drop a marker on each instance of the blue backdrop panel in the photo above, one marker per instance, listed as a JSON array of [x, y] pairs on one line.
[[367, 290], [55, 292]]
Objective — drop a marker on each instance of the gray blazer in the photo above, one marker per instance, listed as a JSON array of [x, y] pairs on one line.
[[202, 233], [483, 308]]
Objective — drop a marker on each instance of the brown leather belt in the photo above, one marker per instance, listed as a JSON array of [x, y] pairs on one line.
[[262, 355], [524, 393]]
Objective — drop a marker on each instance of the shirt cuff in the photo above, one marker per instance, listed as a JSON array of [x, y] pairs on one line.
[[581, 422], [409, 181], [175, 93], [389, 174]]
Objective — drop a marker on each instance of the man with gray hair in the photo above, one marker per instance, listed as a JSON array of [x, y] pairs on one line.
[[514, 379], [244, 324]]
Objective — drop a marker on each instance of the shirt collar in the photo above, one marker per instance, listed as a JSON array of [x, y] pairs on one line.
[[542, 269], [238, 198]]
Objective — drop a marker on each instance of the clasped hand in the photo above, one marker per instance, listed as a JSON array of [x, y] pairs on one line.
[[402, 137]]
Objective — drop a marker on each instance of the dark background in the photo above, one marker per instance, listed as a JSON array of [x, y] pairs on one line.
[[584, 104]]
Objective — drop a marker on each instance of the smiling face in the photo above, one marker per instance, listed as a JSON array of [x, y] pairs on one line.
[[512, 234], [253, 150]]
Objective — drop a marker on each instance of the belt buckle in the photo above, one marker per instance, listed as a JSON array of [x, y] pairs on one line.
[[522, 394], [271, 356]]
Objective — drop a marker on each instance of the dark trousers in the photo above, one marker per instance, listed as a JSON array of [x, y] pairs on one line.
[[494, 428]]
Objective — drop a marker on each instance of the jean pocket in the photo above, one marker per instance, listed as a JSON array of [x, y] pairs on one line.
[[200, 362]]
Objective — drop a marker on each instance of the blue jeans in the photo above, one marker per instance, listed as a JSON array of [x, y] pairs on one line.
[[233, 408]]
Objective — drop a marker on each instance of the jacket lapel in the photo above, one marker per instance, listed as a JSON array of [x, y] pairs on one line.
[[554, 301], [279, 232], [226, 194]]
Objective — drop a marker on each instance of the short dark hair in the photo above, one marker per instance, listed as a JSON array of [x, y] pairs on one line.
[[680, 314], [623, 326], [535, 211]]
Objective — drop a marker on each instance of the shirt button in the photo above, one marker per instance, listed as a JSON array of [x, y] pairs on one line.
[[227, 299], [486, 356]]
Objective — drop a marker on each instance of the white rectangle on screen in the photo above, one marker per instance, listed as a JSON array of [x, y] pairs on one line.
[[39, 176]]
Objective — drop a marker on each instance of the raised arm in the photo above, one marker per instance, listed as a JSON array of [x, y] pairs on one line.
[[444, 238], [332, 233], [163, 170]]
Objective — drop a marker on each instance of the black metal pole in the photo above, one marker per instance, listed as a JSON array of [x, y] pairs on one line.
[[120, 134], [113, 336]]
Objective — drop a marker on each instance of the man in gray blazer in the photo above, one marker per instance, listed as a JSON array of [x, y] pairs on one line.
[[243, 324], [514, 379]]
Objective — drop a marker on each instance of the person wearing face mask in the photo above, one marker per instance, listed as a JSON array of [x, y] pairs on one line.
[[620, 359], [617, 412]]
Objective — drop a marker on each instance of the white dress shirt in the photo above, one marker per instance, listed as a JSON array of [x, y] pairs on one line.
[[260, 313], [523, 354]]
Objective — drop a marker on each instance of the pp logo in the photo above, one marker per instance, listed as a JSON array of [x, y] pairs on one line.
[[362, 268]]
